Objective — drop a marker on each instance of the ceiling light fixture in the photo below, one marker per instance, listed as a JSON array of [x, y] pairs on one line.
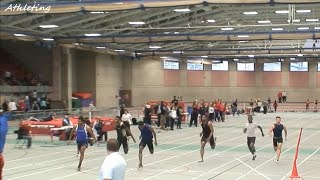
[[282, 12], [176, 32], [182, 10], [19, 35], [250, 13], [119, 50], [204, 56], [48, 26], [243, 41], [243, 36], [98, 12], [251, 56], [211, 20], [137, 23], [48, 39], [312, 20], [303, 11], [100, 47], [292, 58], [300, 55], [177, 52], [227, 29], [92, 35], [236, 59], [277, 29], [154, 47], [303, 28], [295, 20], [264, 22], [317, 28]]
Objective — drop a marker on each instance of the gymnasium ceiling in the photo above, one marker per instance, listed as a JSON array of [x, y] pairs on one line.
[[288, 30]]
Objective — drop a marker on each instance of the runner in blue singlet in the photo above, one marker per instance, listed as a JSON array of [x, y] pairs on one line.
[[81, 131], [277, 129]]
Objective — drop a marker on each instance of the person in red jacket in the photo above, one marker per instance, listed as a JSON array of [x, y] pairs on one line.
[[279, 96]]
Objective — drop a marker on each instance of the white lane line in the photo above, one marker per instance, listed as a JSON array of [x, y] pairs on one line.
[[302, 162], [253, 169], [275, 157], [68, 157], [39, 172], [62, 177], [31, 157], [241, 157]]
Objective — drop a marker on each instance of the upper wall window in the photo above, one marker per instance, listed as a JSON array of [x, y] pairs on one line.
[[170, 65], [245, 66], [318, 66], [218, 66], [275, 66], [195, 66], [299, 66]]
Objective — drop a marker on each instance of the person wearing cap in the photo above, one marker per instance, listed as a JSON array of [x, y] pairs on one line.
[[250, 129]]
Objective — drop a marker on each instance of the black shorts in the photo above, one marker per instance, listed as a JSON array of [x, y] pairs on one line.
[[82, 143], [149, 144], [277, 140], [124, 143], [212, 143], [251, 140]]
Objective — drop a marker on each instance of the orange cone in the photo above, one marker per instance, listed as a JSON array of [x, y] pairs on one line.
[[294, 173]]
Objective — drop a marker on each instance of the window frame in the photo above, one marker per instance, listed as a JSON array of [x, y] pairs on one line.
[[272, 70], [220, 64], [290, 70], [171, 65], [245, 69], [195, 65]]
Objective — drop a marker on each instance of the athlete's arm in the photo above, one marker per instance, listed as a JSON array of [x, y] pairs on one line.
[[285, 132], [72, 133], [261, 130], [271, 129], [154, 135], [130, 134], [89, 130], [244, 130], [211, 128]]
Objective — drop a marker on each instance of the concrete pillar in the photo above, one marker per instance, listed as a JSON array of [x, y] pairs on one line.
[[233, 74], [66, 69], [285, 74], [56, 77], [313, 67], [258, 73]]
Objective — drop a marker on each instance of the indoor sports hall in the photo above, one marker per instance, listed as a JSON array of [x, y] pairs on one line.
[[180, 67]]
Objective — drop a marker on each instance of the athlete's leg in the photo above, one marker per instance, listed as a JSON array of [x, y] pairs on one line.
[[125, 146], [279, 150], [82, 149], [141, 147], [150, 147], [203, 144], [1, 165]]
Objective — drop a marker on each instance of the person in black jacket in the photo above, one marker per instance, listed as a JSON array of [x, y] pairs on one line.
[[163, 115], [194, 116], [24, 133], [179, 114]]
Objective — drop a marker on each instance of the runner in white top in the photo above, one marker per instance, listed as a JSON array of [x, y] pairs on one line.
[[250, 129]]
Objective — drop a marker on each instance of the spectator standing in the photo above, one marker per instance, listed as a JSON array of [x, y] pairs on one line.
[[275, 106], [12, 105], [316, 105], [307, 105], [279, 96], [284, 96]]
